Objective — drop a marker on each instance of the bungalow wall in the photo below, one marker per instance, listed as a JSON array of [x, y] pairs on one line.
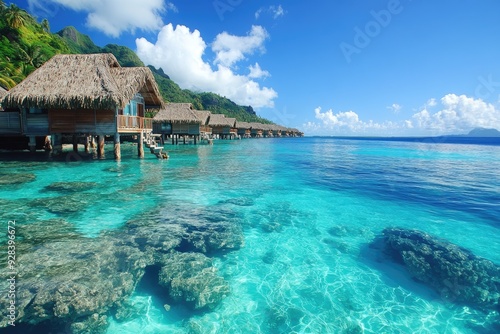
[[192, 129], [10, 123], [221, 130], [83, 121]]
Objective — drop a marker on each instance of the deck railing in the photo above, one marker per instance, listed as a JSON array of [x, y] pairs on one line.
[[134, 123]]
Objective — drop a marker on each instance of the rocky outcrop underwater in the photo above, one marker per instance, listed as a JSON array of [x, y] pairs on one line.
[[455, 273], [73, 284]]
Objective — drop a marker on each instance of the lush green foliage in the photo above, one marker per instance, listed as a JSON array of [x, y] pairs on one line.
[[26, 44]]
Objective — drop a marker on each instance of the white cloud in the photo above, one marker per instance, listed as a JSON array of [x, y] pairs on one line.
[[458, 114], [348, 123], [274, 11], [230, 49], [395, 108], [116, 16], [256, 72], [179, 52]]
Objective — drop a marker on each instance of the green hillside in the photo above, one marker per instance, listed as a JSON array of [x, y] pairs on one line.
[[26, 44]]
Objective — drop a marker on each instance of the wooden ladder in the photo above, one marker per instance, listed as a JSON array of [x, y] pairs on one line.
[[151, 142]]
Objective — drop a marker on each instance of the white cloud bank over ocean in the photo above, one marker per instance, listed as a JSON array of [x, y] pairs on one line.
[[179, 52], [457, 114]]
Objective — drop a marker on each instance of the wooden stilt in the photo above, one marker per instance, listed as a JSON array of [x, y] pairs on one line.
[[184, 139], [47, 146], [32, 144], [118, 153], [75, 143], [100, 146], [140, 146], [56, 144], [92, 142], [195, 139], [87, 144], [173, 140]]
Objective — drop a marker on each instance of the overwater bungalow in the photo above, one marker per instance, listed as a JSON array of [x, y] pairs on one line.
[[85, 96], [180, 121], [256, 130], [222, 127], [244, 129]]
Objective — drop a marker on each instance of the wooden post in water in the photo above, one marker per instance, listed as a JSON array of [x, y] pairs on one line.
[[92, 142], [118, 153], [32, 144], [195, 139], [184, 139], [56, 144], [87, 144], [140, 145], [75, 143], [100, 147]]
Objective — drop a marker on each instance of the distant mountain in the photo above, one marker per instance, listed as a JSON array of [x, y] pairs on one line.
[[25, 47], [78, 42], [482, 132]]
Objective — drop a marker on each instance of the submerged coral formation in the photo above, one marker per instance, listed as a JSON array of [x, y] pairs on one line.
[[76, 283], [456, 273]]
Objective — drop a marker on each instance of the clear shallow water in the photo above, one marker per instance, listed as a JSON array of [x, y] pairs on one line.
[[313, 206]]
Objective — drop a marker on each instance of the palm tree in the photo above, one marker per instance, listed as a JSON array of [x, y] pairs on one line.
[[45, 25], [15, 16], [31, 55]]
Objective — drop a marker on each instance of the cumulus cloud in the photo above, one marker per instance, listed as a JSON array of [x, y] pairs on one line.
[[348, 123], [458, 114], [256, 72], [231, 49], [179, 52], [113, 17], [274, 11], [395, 108]]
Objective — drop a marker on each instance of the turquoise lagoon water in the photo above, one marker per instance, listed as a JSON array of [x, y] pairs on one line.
[[312, 207]]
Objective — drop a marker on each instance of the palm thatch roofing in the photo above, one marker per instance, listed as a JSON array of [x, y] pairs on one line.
[[243, 125], [178, 113], [203, 115], [90, 81], [3, 92], [257, 126], [231, 122], [219, 120]]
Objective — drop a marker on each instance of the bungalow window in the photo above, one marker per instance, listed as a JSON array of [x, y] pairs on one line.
[[135, 106]]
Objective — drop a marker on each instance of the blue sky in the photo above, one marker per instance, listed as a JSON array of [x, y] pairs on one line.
[[343, 67]]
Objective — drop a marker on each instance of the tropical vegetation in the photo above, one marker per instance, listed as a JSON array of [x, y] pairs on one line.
[[25, 44]]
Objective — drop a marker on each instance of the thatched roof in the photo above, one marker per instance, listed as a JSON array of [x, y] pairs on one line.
[[218, 120], [231, 122], [203, 115], [257, 126], [178, 113], [91, 81], [243, 125], [2, 92]]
